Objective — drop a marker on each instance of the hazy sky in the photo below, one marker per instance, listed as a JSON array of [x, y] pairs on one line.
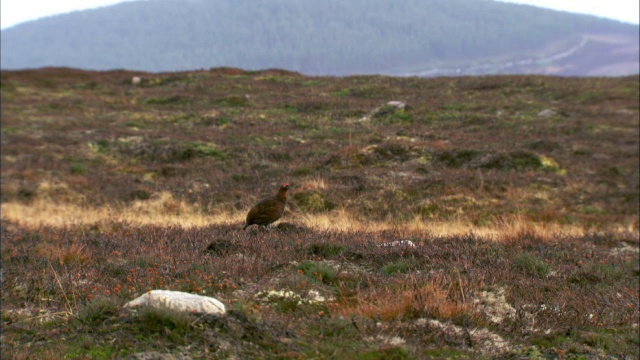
[[16, 11]]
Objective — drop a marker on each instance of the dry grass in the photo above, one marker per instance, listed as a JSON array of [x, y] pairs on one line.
[[409, 298], [165, 210]]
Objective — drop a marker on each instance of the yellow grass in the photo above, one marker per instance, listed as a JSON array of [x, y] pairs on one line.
[[165, 210]]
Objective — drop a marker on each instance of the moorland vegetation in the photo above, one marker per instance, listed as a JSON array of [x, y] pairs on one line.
[[518, 193]]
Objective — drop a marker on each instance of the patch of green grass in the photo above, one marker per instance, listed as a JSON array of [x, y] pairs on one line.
[[591, 210], [318, 272], [388, 114], [313, 201], [100, 146], [457, 158], [89, 350], [175, 324], [169, 100], [98, 309], [241, 177], [550, 341], [443, 354], [77, 169], [11, 130], [303, 171], [135, 124], [232, 101], [206, 150], [391, 353], [325, 250], [221, 120], [531, 265], [401, 266], [342, 92], [601, 273]]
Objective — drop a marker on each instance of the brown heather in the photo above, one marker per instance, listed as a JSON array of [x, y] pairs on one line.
[[525, 226]]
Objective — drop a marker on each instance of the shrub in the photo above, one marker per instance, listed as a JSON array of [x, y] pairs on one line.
[[312, 201], [98, 309]]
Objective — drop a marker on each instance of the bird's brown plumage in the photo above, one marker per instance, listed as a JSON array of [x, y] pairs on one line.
[[268, 210]]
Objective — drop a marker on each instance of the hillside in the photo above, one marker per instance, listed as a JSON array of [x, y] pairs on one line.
[[512, 202], [410, 37]]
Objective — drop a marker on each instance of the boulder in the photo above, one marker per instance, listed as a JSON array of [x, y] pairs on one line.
[[179, 301]]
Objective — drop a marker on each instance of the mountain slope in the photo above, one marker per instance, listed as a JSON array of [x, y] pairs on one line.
[[328, 37]]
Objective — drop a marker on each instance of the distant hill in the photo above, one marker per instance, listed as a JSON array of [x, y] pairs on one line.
[[331, 37]]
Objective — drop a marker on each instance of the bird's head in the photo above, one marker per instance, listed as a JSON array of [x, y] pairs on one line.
[[284, 187]]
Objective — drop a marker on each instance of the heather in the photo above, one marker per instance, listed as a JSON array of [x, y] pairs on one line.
[[491, 217]]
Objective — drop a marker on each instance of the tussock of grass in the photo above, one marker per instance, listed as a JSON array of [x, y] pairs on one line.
[[420, 297]]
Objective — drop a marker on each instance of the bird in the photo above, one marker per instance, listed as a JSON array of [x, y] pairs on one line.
[[268, 210]]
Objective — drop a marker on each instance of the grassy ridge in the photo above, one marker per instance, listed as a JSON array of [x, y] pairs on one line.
[[520, 194]]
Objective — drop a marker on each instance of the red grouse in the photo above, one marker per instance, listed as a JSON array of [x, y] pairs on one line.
[[268, 210]]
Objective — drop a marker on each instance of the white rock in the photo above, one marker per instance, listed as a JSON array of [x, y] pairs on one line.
[[136, 80], [397, 104], [547, 113], [405, 243], [624, 248], [180, 301], [495, 305], [483, 339]]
